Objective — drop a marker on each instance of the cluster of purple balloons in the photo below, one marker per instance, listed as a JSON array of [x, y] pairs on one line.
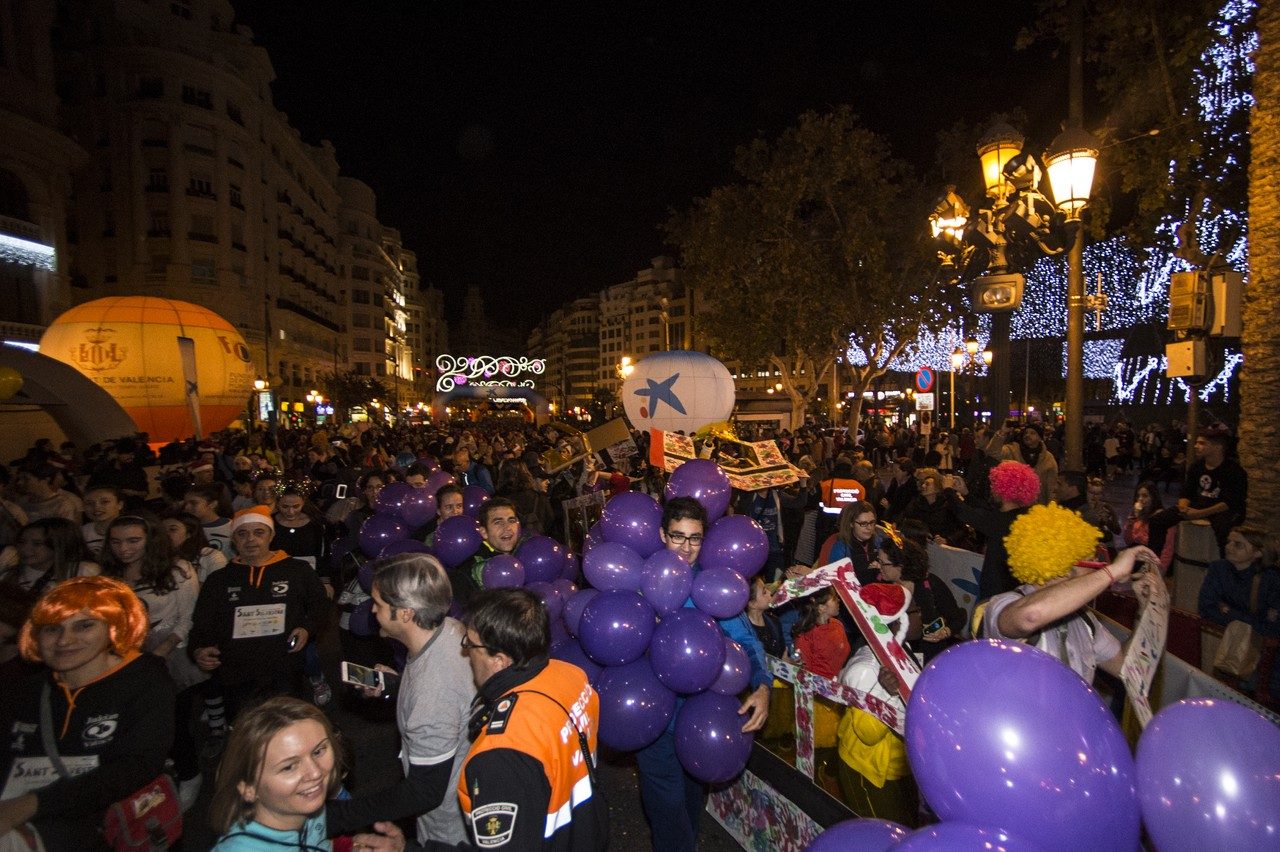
[[1011, 749], [643, 647]]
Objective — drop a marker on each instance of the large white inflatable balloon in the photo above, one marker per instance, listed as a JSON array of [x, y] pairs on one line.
[[678, 391]]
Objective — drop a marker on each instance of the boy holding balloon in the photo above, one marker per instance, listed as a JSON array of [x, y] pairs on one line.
[[673, 800]]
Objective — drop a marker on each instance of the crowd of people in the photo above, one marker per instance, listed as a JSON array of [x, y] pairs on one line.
[[157, 604]]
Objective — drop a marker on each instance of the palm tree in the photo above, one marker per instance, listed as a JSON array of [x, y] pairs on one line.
[[1259, 401]]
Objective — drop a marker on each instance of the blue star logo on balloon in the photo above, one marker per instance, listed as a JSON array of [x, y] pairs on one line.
[[679, 391]]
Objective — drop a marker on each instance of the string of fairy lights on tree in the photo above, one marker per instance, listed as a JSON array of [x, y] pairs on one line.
[[1136, 281]]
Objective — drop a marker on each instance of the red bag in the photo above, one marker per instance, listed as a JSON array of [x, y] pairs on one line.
[[150, 819]]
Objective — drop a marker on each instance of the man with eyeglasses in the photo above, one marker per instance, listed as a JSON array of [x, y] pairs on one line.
[[673, 800]]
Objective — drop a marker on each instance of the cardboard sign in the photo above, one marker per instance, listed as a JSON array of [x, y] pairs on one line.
[[1138, 669], [883, 643], [762, 466]]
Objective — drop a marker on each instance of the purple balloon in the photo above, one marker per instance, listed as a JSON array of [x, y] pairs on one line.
[[503, 571], [569, 651], [735, 542], [574, 606], [960, 837], [572, 567], [558, 633], [390, 498], [735, 671], [564, 587], [364, 575], [665, 581], [457, 539], [720, 592], [634, 519], [687, 651], [380, 530], [615, 627], [362, 621], [873, 835], [634, 706], [704, 481], [406, 546], [438, 479], [551, 599], [473, 497], [418, 508], [709, 738], [611, 566], [1042, 756], [543, 559], [1207, 777]]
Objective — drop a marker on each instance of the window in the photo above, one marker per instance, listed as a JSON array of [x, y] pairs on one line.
[[362, 344], [360, 297], [234, 155], [105, 184], [233, 194], [108, 222], [200, 185], [151, 87], [359, 320], [158, 223], [233, 113], [359, 273], [202, 270], [199, 140], [154, 134], [197, 97], [158, 181], [202, 228], [159, 265], [237, 235], [362, 369]]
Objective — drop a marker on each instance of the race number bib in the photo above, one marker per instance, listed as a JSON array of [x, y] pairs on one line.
[[30, 774], [258, 620]]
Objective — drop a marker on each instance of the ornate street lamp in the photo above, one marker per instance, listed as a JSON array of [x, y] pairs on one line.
[[1071, 161], [995, 149]]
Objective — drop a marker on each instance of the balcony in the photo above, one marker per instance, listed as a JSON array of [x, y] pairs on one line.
[[202, 237], [293, 307]]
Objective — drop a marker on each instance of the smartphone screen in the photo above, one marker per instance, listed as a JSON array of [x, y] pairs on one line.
[[361, 675]]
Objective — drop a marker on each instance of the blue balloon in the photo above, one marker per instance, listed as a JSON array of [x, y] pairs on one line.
[[687, 651], [666, 581], [709, 739], [542, 557], [551, 599], [634, 519], [390, 498], [873, 835], [1042, 757], [615, 627], [501, 572], [634, 705], [378, 531]]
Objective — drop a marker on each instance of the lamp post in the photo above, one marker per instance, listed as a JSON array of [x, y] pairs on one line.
[[962, 359]]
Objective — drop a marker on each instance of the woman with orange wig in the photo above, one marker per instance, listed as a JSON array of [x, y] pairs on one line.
[[110, 715]]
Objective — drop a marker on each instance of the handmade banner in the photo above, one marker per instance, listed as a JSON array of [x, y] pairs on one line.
[[1141, 660], [761, 466], [840, 575]]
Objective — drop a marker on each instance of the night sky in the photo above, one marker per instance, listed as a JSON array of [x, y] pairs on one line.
[[533, 148]]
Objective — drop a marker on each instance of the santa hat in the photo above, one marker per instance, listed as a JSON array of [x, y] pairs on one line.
[[891, 601], [252, 515]]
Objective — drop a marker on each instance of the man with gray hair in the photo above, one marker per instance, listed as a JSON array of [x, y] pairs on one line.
[[411, 594]]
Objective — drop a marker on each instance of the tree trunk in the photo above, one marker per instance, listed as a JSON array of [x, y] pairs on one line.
[[1259, 403]]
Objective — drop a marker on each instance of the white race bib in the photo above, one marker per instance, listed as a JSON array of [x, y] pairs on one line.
[[30, 774], [258, 620]]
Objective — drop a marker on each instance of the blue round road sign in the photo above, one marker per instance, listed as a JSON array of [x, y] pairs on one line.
[[924, 379]]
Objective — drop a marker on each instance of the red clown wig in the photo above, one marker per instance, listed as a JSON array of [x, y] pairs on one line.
[[1015, 482], [104, 598]]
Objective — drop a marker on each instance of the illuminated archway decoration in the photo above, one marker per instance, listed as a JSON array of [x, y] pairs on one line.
[[486, 371]]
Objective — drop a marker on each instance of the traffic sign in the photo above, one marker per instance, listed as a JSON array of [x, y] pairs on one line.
[[924, 402], [924, 380]]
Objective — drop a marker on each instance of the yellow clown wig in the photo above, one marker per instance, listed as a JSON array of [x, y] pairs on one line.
[[104, 598], [1047, 541]]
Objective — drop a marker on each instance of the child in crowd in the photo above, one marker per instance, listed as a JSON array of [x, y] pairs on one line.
[[823, 646]]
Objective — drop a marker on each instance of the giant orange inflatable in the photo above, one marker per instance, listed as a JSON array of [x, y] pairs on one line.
[[129, 346]]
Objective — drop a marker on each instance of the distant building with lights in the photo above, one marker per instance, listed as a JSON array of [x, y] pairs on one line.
[[194, 186]]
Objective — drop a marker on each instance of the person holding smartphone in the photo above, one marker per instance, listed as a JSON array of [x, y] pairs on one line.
[[411, 594]]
